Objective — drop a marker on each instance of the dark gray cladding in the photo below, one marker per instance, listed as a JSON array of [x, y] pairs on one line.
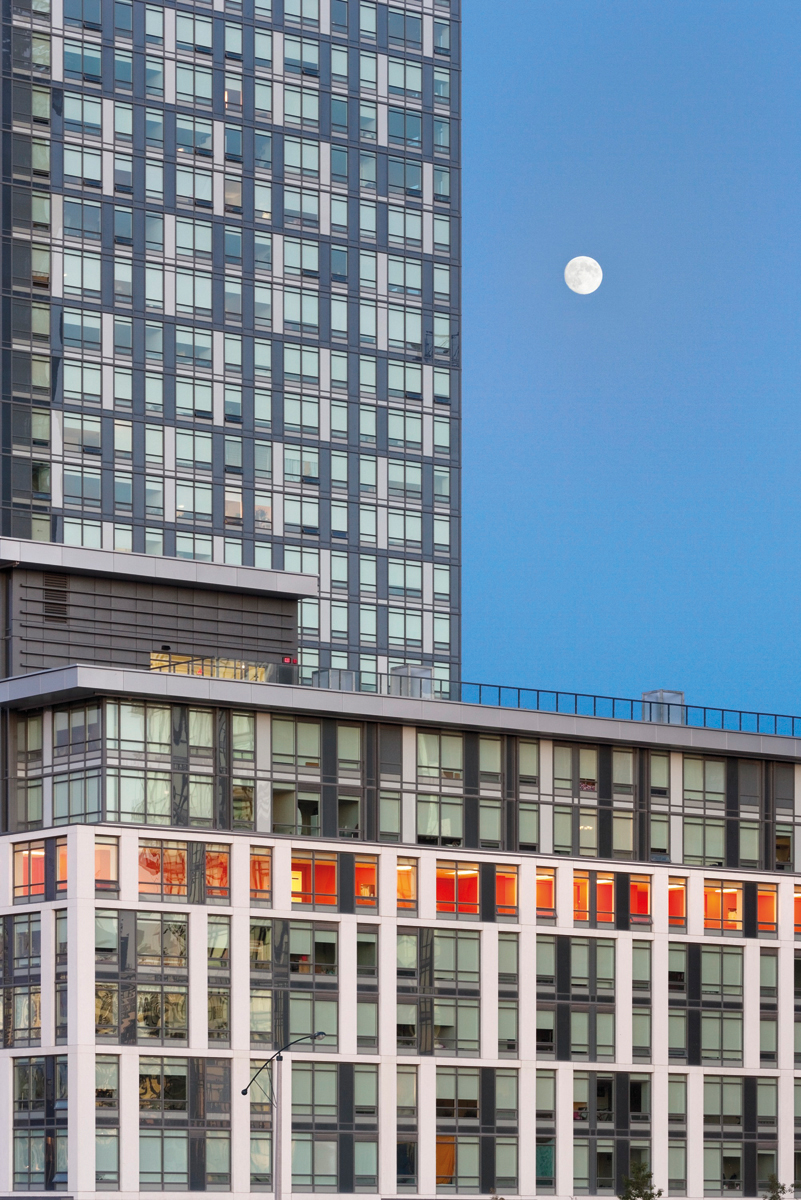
[[53, 618]]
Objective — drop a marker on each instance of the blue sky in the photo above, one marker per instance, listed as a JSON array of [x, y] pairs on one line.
[[632, 492]]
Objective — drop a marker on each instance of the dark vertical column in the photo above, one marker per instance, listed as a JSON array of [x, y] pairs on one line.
[[750, 1168], [604, 801], [471, 786], [370, 821], [750, 909], [767, 831], [347, 883], [197, 1160], [732, 848], [642, 806], [563, 967], [622, 899], [180, 737], [622, 1152], [562, 1037], [487, 891], [50, 869], [509, 833], [330, 812]]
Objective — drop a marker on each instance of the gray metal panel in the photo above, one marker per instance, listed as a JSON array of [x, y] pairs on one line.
[[52, 556]]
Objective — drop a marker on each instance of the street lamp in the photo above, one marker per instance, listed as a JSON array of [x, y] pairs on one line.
[[276, 1099]]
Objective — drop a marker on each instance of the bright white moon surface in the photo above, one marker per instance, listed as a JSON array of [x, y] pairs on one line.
[[583, 275]]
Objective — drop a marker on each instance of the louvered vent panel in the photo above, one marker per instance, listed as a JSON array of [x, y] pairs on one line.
[[55, 598]]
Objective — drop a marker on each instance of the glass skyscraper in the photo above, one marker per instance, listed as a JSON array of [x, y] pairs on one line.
[[231, 300]]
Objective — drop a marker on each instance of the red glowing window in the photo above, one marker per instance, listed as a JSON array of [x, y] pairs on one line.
[[366, 883], [677, 903], [767, 908], [457, 889], [261, 874], [29, 871], [605, 899], [61, 866], [723, 906], [640, 900], [407, 884], [506, 893], [546, 893], [581, 895], [314, 880]]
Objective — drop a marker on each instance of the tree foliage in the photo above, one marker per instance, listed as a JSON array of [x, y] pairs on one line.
[[639, 1184]]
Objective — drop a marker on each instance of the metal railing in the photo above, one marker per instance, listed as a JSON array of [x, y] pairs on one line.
[[417, 683]]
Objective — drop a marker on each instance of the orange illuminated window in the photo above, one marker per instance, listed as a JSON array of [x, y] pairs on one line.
[[29, 871], [218, 885], [457, 889], [366, 882], [260, 874], [604, 899], [107, 850], [677, 903], [162, 869], [506, 892], [640, 900], [581, 896], [767, 908], [723, 906], [314, 880], [797, 901], [446, 1161], [407, 884], [546, 894], [61, 866]]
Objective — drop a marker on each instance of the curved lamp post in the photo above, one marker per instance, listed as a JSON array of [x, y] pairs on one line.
[[276, 1099]]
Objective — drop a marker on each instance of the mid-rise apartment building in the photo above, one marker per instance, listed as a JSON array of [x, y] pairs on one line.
[[230, 300], [536, 947]]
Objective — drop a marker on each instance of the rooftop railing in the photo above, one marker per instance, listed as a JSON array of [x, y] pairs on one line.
[[417, 683]]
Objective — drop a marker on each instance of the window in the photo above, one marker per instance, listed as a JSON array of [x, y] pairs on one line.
[[721, 971], [575, 770], [506, 893], [407, 885], [296, 745], [723, 907], [260, 875], [439, 820], [704, 782], [163, 870], [439, 756], [677, 903], [640, 900], [703, 842], [767, 911], [106, 864], [546, 894], [29, 871], [296, 811], [457, 889], [314, 880]]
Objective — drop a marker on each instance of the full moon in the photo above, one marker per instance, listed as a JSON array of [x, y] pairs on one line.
[[583, 275]]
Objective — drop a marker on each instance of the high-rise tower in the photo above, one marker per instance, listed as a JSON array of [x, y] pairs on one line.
[[230, 301]]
